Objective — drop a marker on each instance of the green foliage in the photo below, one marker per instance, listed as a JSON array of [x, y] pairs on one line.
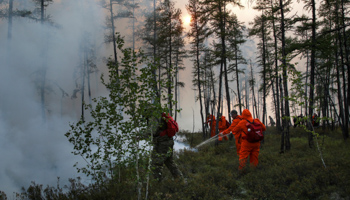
[[110, 140]]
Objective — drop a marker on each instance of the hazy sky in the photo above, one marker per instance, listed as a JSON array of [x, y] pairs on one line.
[[32, 150]]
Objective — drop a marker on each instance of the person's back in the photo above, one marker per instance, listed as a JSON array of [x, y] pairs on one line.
[[250, 149], [223, 124], [212, 123], [163, 152]]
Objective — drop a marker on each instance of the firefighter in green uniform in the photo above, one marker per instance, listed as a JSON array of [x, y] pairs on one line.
[[163, 147], [163, 152]]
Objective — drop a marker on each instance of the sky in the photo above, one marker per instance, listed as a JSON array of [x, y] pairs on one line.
[[33, 150]]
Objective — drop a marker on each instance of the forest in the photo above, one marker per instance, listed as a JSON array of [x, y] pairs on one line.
[[130, 61]]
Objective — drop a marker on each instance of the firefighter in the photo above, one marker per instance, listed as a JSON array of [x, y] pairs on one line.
[[238, 136], [223, 125], [248, 149], [162, 154], [212, 123]]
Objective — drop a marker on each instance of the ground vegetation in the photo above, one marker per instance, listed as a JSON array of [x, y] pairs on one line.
[[212, 173]]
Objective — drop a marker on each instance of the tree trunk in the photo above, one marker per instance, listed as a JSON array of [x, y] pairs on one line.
[[283, 146], [347, 99], [113, 36], [264, 69], [253, 93], [219, 101], [312, 70], [343, 111], [277, 106], [43, 69], [285, 80], [170, 68], [9, 30], [346, 96], [223, 39], [88, 76], [156, 87], [306, 82], [199, 83], [237, 82], [83, 72], [246, 92]]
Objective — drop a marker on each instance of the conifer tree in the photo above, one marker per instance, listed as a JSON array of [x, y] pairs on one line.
[[171, 47], [217, 16], [198, 34], [167, 48], [235, 38], [40, 15], [260, 29]]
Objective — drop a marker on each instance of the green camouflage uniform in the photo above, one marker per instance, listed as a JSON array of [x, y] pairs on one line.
[[163, 153]]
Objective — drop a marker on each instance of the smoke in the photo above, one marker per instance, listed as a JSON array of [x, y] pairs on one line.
[[36, 150], [33, 149]]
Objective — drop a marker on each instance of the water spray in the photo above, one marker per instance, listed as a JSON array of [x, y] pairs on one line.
[[209, 140]]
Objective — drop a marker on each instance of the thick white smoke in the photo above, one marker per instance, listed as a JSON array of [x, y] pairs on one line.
[[33, 149]]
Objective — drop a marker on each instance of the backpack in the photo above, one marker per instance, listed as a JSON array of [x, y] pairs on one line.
[[254, 133], [172, 126]]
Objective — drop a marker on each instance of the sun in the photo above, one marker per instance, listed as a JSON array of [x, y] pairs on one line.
[[187, 20]]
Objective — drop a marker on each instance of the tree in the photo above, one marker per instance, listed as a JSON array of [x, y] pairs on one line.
[[198, 34], [170, 46], [110, 141], [235, 38], [332, 33], [252, 87], [259, 29], [285, 139], [40, 11], [217, 16], [86, 67]]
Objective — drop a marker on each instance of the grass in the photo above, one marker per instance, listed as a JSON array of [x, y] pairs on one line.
[[212, 172]]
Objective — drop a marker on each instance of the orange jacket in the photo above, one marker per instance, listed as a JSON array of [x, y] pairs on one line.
[[233, 124], [241, 126], [211, 120], [222, 123]]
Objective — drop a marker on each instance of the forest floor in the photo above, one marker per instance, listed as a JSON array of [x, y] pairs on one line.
[[321, 172], [299, 173]]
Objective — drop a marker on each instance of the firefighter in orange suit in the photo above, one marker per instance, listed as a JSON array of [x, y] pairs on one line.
[[223, 125], [212, 123], [238, 136], [247, 148]]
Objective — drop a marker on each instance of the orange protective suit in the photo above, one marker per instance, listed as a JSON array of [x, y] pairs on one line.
[[238, 135], [247, 148], [212, 123], [223, 124]]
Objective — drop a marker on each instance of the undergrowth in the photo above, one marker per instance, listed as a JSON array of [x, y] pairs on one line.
[[212, 173]]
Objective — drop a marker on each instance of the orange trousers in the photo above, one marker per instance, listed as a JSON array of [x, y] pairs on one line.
[[238, 140], [251, 150]]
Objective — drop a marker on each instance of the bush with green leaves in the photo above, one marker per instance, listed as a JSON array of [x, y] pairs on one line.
[[111, 139]]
